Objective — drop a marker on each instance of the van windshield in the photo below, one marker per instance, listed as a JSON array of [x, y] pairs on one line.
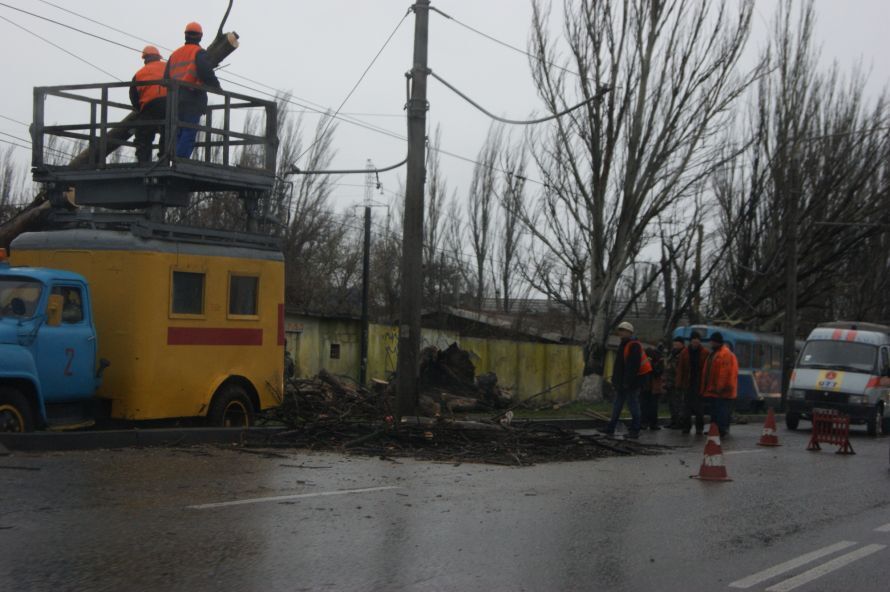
[[18, 297], [839, 355]]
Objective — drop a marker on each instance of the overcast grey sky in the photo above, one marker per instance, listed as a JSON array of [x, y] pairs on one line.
[[318, 48]]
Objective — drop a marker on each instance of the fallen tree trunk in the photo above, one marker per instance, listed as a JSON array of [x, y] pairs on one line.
[[221, 48], [29, 219]]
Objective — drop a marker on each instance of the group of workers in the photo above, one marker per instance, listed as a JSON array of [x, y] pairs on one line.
[[689, 375], [189, 64]]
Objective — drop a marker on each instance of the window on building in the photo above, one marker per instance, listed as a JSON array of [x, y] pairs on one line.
[[335, 351], [72, 303], [243, 290], [188, 293]]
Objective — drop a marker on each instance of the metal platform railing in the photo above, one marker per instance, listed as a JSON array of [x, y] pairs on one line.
[[102, 125]]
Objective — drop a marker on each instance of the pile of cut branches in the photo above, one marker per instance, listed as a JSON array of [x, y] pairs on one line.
[[518, 444]]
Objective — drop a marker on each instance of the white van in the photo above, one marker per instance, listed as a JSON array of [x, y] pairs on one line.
[[843, 366]]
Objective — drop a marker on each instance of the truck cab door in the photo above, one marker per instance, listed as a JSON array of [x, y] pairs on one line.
[[66, 354]]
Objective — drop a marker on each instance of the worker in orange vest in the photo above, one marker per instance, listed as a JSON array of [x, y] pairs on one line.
[[629, 373], [190, 64], [719, 382], [150, 101]]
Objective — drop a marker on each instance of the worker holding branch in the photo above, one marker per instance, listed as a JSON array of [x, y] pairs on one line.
[[191, 64]]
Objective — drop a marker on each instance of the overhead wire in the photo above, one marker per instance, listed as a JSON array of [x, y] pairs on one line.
[[59, 47], [356, 85], [503, 43], [452, 88], [73, 28]]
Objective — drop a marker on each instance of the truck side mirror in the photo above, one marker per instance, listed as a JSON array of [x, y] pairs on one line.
[[54, 310]]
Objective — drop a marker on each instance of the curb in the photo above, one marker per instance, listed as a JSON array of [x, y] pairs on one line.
[[136, 438]]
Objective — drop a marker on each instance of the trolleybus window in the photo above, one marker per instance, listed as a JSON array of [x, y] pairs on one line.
[[243, 295], [188, 293], [743, 353]]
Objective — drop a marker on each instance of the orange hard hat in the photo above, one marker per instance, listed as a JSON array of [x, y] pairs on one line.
[[194, 27], [150, 50]]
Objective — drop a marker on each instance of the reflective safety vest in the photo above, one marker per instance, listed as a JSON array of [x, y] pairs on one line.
[[645, 364], [182, 63], [150, 71]]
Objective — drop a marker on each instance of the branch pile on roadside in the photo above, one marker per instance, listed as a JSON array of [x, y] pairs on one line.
[[441, 440]]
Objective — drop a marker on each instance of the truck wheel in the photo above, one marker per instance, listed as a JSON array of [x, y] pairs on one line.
[[792, 420], [885, 425], [876, 420], [15, 411], [231, 408]]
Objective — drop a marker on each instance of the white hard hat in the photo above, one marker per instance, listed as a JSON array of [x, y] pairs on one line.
[[625, 326]]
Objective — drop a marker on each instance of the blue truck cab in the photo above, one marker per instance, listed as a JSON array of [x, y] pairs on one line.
[[48, 350]]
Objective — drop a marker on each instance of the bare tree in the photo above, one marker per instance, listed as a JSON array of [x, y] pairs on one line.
[[480, 206], [821, 147], [511, 198], [610, 169]]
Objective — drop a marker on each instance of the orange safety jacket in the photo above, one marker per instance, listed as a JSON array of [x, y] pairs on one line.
[[720, 374], [182, 64], [148, 93], [645, 364]]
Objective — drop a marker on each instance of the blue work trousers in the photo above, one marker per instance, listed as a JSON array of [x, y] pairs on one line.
[[721, 413], [632, 397], [185, 139]]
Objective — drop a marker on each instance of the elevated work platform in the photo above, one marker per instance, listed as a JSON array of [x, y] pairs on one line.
[[104, 171]]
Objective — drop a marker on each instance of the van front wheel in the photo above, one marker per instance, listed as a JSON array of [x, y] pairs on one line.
[[231, 408]]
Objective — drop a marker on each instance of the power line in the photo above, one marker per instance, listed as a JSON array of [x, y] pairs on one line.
[[602, 90], [55, 22], [356, 85], [14, 120], [101, 24], [44, 39], [504, 43]]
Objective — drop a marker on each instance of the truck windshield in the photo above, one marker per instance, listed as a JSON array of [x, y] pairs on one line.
[[18, 297], [839, 355]]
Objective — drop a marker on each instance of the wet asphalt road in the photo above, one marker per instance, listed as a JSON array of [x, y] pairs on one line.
[[164, 520]]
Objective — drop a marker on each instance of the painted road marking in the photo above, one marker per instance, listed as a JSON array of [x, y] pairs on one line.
[[774, 571], [279, 498], [826, 568], [759, 450], [885, 528]]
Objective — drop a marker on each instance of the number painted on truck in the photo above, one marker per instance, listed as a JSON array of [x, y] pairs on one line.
[[69, 353]]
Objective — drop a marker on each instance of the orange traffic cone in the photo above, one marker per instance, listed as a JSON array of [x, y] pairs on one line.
[[712, 468], [769, 437]]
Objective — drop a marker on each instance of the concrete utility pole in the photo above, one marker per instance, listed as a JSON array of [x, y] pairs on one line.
[[366, 274], [792, 200], [412, 228]]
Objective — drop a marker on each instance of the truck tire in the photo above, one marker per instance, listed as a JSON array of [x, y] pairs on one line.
[[15, 411], [875, 421], [231, 408], [885, 425], [792, 420]]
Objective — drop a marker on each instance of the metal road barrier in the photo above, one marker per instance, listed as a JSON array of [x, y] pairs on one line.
[[831, 427]]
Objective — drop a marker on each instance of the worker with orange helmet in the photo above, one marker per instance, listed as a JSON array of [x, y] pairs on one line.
[[190, 64], [150, 100]]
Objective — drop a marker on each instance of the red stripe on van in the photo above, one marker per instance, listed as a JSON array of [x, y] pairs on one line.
[[213, 336], [836, 336], [281, 324]]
